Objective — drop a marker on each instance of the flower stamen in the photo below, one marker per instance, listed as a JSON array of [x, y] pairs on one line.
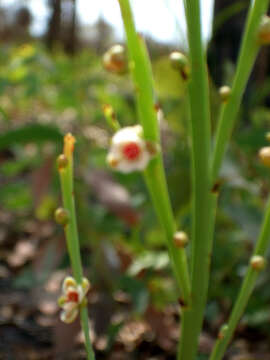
[[131, 151]]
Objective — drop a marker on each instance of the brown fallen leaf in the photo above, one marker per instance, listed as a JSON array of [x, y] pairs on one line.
[[164, 327], [132, 333], [41, 179]]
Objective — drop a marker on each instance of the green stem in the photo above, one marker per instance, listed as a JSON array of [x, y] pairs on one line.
[[71, 228], [192, 319], [85, 327], [246, 290], [156, 183], [141, 71], [154, 175], [248, 53], [71, 232], [204, 203]]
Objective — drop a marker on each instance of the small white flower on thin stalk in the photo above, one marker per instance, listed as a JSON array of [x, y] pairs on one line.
[[73, 297], [129, 151]]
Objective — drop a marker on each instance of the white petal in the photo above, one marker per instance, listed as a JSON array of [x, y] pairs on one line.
[[127, 134], [69, 306], [69, 281], [69, 316]]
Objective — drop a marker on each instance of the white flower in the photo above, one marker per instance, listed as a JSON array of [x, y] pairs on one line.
[[129, 151], [73, 297]]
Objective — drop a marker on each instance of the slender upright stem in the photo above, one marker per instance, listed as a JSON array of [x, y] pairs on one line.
[[246, 290], [156, 183], [154, 175], [71, 232], [85, 328], [204, 202], [71, 228], [248, 53], [141, 72]]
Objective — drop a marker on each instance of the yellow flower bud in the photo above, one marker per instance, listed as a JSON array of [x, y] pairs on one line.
[[108, 111], [69, 141], [111, 117], [224, 93], [264, 155], [61, 301], [264, 31], [180, 239], [85, 284], [257, 262], [62, 162], [69, 281]]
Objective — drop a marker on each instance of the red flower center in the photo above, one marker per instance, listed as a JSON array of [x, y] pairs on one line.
[[131, 151], [72, 296]]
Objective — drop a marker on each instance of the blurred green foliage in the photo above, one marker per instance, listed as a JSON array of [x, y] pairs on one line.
[[43, 96]]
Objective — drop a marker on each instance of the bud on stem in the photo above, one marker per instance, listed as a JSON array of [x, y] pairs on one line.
[[180, 239], [267, 136], [264, 155], [61, 216], [62, 162], [69, 141], [225, 93], [111, 117], [222, 332], [180, 62], [115, 59], [264, 31], [152, 148], [257, 262]]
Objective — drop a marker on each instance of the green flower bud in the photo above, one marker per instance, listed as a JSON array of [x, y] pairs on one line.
[[61, 216], [222, 332], [61, 301], [180, 62]]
